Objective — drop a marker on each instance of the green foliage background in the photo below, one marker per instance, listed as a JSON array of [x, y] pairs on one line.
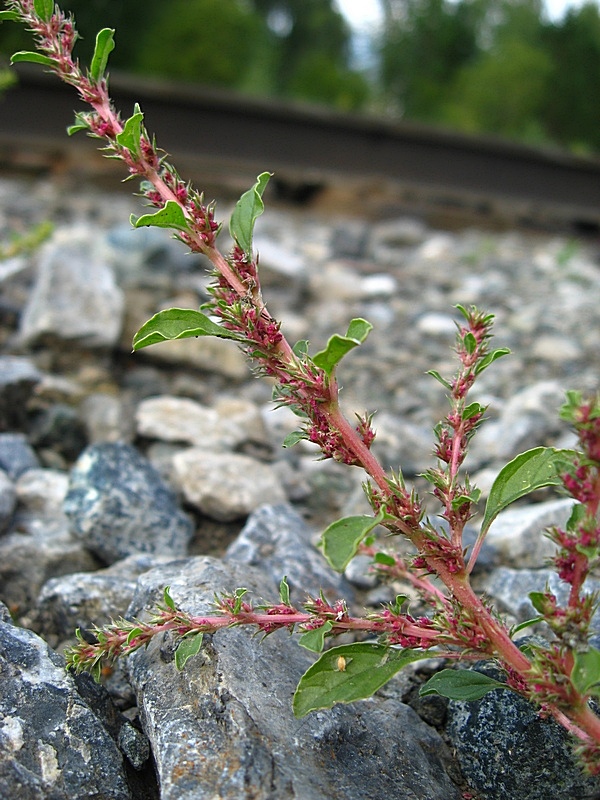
[[481, 66]]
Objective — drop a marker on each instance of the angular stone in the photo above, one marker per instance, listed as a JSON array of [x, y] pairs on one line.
[[224, 726], [51, 744], [8, 500], [276, 539], [517, 534], [18, 378], [118, 504], [506, 750], [75, 297], [16, 455], [225, 486]]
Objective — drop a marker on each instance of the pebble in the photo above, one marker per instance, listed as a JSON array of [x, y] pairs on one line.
[[148, 462]]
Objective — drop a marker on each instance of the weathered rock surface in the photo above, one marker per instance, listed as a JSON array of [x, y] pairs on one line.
[[51, 743], [118, 505], [224, 726]]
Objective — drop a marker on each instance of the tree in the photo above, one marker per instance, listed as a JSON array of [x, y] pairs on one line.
[[572, 110], [425, 43]]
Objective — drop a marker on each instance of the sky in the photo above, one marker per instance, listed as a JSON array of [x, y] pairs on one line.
[[363, 13]]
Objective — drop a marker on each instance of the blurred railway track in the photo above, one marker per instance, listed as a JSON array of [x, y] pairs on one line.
[[355, 164]]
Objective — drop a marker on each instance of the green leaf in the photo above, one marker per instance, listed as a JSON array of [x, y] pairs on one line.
[[187, 648], [34, 58], [168, 600], [169, 216], [338, 346], [539, 600], [470, 343], [9, 16], [78, 125], [472, 410], [247, 210], [300, 349], [44, 9], [349, 672], [585, 675], [293, 438], [132, 131], [315, 640], [178, 323], [522, 625], [490, 358], [284, 591], [341, 539], [524, 474], [460, 684], [105, 44], [385, 559], [435, 374], [132, 634]]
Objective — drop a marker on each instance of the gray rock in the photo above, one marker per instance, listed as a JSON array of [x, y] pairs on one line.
[[75, 297], [39, 545], [18, 378], [60, 429], [224, 726], [8, 500], [528, 419], [87, 599], [511, 587], [178, 419], [276, 539], [517, 534], [51, 744], [118, 505], [506, 750], [42, 492], [225, 486], [16, 455]]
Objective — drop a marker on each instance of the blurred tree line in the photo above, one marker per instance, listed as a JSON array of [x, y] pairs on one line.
[[481, 66], [495, 66]]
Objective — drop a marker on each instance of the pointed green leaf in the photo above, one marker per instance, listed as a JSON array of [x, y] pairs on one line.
[[133, 633], [349, 672], [522, 625], [178, 323], [472, 410], [338, 346], [585, 675], [539, 600], [470, 343], [247, 210], [169, 216], [132, 131], [187, 648], [76, 127], [460, 684], [435, 374], [9, 16], [105, 44], [341, 539], [490, 358], [284, 591], [385, 559], [168, 600], [293, 438], [315, 640], [34, 58], [524, 474], [44, 9]]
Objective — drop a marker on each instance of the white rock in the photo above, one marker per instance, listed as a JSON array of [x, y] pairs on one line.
[[225, 486]]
